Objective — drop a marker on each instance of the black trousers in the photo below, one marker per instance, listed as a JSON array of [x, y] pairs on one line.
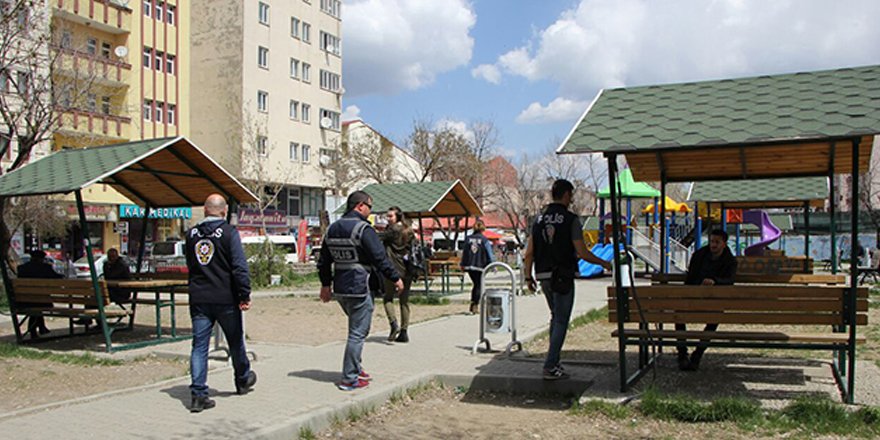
[[477, 279]]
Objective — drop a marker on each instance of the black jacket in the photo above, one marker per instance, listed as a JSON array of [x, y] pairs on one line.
[[554, 244], [477, 253], [218, 270], [353, 266], [702, 266]]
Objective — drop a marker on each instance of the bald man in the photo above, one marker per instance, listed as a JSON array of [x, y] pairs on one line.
[[219, 291]]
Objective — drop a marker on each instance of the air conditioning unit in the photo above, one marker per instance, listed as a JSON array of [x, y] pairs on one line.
[[326, 122]]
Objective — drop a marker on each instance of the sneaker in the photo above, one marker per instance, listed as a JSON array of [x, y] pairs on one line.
[[402, 337], [201, 403], [555, 373], [394, 331], [247, 385], [475, 309], [363, 375], [351, 386]]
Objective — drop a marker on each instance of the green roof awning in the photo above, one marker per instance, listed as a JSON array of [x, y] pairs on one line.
[[161, 173], [760, 127], [428, 199], [629, 188], [762, 193]]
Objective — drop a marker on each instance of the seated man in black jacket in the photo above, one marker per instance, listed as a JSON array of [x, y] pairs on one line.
[[711, 265], [36, 268], [115, 268]]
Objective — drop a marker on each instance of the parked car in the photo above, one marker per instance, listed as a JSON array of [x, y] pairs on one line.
[[81, 266], [168, 256], [287, 242]]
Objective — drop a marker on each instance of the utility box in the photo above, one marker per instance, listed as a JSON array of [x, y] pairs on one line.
[[498, 310]]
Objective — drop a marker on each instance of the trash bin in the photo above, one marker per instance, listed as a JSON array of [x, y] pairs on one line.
[[274, 280], [498, 310]]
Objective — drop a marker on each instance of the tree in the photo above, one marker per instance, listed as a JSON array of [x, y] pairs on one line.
[[362, 157]]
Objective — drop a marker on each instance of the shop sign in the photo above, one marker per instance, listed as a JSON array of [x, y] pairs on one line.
[[134, 211], [270, 218], [94, 213]]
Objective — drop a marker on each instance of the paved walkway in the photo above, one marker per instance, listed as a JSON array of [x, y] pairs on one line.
[[296, 383]]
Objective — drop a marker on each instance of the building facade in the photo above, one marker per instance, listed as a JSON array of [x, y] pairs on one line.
[[267, 98]]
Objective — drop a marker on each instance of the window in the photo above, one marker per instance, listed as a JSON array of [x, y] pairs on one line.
[[148, 7], [332, 116], [105, 50], [172, 113], [65, 99], [264, 13], [148, 110], [159, 12], [169, 64], [294, 109], [306, 32], [23, 83], [262, 145], [159, 56], [169, 14], [332, 7], [294, 27], [306, 72], [159, 106], [91, 46], [330, 81], [306, 110], [262, 101], [330, 43], [148, 57], [4, 81], [294, 68], [293, 201], [306, 153], [5, 144], [65, 39], [105, 105], [294, 151], [92, 102], [263, 57]]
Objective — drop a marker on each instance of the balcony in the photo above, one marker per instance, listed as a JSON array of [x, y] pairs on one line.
[[105, 15], [82, 65], [77, 123]]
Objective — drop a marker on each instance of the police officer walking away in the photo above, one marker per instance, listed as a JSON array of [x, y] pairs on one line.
[[554, 246], [477, 255], [219, 291], [351, 256]]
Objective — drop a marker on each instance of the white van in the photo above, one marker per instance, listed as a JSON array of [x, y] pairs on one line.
[[288, 242]]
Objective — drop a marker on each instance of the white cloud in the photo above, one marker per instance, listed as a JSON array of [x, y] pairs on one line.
[[459, 127], [558, 110], [351, 113], [488, 72], [396, 45], [600, 44]]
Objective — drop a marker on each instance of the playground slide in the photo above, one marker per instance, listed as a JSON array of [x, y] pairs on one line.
[[769, 232], [588, 270]]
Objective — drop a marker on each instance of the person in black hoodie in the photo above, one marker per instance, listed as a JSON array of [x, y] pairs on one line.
[[219, 291], [36, 268], [712, 265]]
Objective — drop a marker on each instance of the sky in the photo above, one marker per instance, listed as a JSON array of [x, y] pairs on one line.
[[532, 67]]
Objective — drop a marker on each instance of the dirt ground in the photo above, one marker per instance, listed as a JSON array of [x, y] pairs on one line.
[[286, 320]]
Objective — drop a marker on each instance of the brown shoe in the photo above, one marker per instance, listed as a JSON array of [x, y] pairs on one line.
[[475, 309]]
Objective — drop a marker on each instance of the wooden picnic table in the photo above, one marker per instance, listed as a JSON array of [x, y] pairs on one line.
[[157, 287]]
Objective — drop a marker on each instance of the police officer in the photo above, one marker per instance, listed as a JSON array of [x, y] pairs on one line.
[[219, 291], [554, 246], [351, 256], [476, 256]]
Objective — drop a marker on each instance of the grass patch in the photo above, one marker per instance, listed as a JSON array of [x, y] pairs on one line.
[[589, 318], [88, 360], [605, 408], [686, 409], [822, 416], [428, 300], [306, 433]]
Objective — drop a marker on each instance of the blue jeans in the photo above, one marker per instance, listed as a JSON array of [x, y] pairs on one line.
[[360, 315], [203, 318], [560, 313]]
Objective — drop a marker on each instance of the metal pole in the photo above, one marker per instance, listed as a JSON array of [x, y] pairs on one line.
[[621, 293], [832, 210], [698, 234], [854, 277], [84, 227], [628, 221], [663, 228], [602, 221], [806, 236], [426, 262], [737, 228]]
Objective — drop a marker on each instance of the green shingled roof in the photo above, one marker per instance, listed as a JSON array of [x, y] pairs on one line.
[[762, 192], [158, 172], [429, 199], [812, 105], [629, 188]]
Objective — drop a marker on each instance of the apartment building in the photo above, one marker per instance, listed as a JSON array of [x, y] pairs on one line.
[[267, 93]]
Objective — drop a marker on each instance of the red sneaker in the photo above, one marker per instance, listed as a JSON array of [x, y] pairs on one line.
[[345, 386], [363, 375]]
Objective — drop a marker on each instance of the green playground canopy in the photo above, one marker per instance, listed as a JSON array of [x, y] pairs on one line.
[[629, 188]]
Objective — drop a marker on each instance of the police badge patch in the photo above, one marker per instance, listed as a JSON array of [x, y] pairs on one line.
[[204, 251]]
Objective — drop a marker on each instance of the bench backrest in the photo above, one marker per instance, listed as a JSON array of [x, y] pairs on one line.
[[781, 278], [740, 304], [50, 291]]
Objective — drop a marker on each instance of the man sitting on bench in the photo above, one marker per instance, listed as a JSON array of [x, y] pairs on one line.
[[711, 265], [37, 267]]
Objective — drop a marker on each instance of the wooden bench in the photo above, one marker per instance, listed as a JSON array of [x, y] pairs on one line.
[[72, 299], [741, 305], [781, 278]]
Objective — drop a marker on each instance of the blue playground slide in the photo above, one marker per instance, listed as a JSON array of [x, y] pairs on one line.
[[605, 252]]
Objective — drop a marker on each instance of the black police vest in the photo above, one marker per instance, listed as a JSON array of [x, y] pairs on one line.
[[351, 271], [475, 256], [553, 248]]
